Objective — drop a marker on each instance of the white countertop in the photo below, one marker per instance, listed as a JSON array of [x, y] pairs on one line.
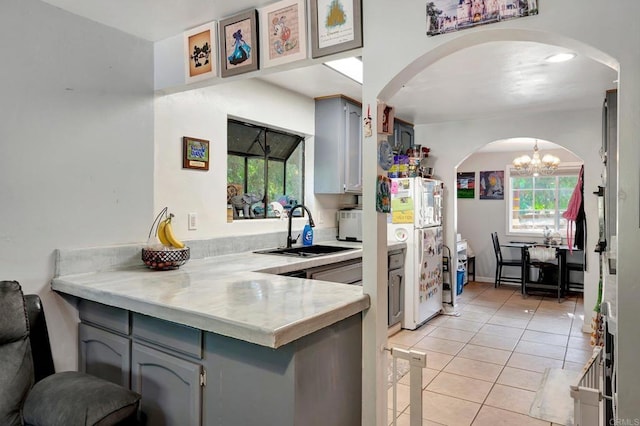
[[236, 295]]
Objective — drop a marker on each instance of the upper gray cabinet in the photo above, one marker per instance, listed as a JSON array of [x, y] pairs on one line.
[[402, 137], [338, 146], [610, 154]]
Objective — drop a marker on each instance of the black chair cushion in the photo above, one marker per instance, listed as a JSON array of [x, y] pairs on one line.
[[73, 398], [16, 364]]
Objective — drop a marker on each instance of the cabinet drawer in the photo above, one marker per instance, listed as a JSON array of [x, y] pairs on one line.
[[396, 260], [108, 317], [177, 337], [350, 273]]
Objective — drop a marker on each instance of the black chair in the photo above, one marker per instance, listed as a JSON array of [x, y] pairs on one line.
[[501, 262], [548, 271], [31, 393], [574, 286]]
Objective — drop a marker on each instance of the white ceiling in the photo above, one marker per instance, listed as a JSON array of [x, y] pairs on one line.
[[489, 80]]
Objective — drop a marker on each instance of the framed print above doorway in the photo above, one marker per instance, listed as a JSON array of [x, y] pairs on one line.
[[283, 32], [336, 26], [200, 53], [239, 51]]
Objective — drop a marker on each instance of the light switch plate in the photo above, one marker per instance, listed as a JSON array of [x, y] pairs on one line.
[[192, 221]]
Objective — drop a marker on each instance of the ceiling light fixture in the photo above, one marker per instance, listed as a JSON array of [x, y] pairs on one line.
[[535, 165], [350, 67], [560, 57]]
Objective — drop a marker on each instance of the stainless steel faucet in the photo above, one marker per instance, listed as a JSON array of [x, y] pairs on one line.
[[290, 240]]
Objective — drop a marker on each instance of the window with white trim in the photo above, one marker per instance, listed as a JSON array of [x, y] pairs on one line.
[[538, 202]]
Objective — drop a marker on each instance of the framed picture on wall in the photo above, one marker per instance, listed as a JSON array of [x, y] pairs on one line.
[[445, 16], [492, 185], [195, 153], [466, 184], [283, 32], [239, 51], [336, 26], [200, 53]]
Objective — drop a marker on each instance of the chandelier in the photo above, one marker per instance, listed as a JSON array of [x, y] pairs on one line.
[[535, 165]]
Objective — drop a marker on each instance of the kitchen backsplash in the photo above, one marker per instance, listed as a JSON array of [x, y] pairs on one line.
[[95, 259]]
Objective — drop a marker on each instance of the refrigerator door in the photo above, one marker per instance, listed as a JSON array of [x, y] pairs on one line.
[[428, 298]]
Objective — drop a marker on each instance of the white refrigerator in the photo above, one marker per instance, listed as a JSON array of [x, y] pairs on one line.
[[416, 218]]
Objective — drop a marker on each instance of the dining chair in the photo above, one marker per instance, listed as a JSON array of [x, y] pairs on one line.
[[501, 262]]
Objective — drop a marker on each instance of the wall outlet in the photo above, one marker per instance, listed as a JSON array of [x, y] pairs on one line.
[[192, 221], [321, 217]]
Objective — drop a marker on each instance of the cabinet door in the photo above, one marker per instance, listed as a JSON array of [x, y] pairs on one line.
[[104, 354], [170, 387], [396, 296], [353, 149], [402, 138]]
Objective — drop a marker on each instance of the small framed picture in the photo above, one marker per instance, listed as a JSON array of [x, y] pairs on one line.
[[200, 53], [336, 26], [239, 52], [195, 153], [283, 33], [491, 185]]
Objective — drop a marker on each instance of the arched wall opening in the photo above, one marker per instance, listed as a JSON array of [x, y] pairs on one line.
[[579, 131], [497, 156]]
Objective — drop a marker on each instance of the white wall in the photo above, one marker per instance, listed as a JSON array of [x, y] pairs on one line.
[[76, 148], [604, 35], [203, 113]]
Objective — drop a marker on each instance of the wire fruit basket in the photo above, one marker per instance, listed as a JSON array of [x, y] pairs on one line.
[[164, 260]]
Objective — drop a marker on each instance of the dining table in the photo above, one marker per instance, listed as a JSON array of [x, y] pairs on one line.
[[562, 259]]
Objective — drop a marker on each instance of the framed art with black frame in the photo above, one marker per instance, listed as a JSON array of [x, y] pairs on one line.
[[336, 26], [239, 51]]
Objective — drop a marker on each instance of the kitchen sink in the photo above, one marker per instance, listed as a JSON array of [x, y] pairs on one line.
[[305, 251]]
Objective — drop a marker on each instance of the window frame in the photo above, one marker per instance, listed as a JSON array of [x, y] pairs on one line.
[[267, 159], [565, 169]]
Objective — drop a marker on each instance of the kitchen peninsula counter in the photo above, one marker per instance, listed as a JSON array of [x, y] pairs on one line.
[[237, 295], [223, 339]]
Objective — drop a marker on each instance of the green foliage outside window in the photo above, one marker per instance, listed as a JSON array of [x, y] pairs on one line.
[[539, 202], [249, 149]]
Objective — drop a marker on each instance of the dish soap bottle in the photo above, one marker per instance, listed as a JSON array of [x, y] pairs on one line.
[[307, 235]]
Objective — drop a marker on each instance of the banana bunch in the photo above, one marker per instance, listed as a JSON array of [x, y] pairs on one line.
[[164, 230], [166, 235]]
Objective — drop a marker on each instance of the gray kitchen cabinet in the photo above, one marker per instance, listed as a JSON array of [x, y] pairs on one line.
[[171, 387], [103, 342], [105, 354], [348, 272], [610, 149], [338, 146], [395, 290], [315, 380], [403, 136]]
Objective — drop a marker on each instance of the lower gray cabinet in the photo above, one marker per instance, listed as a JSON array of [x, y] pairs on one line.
[[395, 289], [104, 354], [171, 387], [396, 296], [315, 380]]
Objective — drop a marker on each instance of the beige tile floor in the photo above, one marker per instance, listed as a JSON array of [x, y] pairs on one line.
[[484, 367]]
